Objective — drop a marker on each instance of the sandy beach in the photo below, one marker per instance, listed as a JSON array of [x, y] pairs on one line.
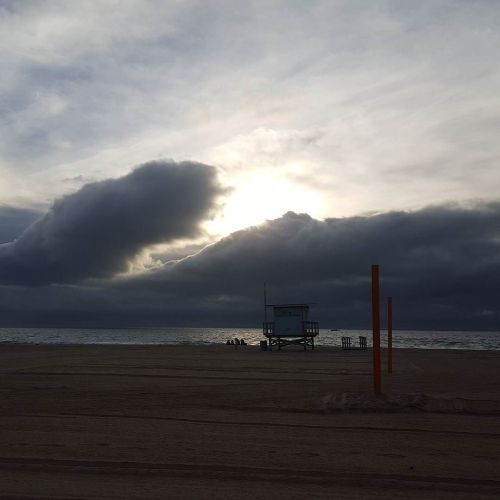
[[113, 422]]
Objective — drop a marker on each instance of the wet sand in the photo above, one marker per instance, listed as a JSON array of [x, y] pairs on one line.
[[145, 422]]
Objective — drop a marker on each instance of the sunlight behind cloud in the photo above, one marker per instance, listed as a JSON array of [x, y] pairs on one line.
[[259, 197]]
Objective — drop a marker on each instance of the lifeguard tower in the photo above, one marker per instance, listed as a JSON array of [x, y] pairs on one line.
[[291, 325]]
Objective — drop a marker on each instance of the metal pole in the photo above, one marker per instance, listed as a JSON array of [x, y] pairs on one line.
[[389, 334], [265, 303], [377, 376]]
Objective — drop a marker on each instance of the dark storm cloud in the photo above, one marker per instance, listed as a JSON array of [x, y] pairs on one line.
[[298, 248], [94, 232], [13, 221], [441, 264]]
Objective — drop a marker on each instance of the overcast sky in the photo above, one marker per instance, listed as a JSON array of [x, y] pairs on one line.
[[345, 111]]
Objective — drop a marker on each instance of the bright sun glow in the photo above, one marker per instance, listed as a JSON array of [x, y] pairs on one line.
[[260, 197]]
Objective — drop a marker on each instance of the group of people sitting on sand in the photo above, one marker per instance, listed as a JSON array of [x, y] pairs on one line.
[[236, 341]]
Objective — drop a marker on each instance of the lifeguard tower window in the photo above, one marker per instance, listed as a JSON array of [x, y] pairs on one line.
[[291, 325]]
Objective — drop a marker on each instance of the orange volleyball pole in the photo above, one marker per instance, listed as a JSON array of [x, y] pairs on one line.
[[389, 334], [377, 372]]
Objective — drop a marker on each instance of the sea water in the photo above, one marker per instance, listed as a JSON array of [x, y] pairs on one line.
[[205, 336]]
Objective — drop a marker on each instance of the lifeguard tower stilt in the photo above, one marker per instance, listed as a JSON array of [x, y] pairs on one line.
[[291, 325]]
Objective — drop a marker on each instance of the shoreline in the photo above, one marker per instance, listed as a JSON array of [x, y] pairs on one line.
[[318, 347], [478, 341]]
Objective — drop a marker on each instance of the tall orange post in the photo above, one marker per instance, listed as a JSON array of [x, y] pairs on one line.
[[377, 373], [389, 334]]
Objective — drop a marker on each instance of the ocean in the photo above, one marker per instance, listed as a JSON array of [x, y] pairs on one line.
[[204, 336]]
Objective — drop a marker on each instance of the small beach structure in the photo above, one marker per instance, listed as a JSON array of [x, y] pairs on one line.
[[290, 325], [348, 346]]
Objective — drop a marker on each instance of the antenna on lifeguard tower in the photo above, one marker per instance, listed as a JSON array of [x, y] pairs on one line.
[[265, 302]]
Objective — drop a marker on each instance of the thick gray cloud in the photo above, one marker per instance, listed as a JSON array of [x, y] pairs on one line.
[[13, 221], [441, 265], [297, 247], [94, 232]]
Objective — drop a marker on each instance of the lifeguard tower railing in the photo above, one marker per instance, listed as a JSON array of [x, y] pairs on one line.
[[308, 328], [290, 326]]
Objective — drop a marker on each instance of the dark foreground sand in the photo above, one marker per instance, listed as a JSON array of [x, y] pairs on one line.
[[215, 422]]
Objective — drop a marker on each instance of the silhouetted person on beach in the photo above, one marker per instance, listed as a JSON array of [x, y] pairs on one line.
[[242, 342], [237, 341]]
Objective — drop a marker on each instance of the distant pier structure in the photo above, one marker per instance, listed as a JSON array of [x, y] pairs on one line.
[[290, 325]]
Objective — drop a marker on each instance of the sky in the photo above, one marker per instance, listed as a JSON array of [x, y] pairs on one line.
[[161, 160]]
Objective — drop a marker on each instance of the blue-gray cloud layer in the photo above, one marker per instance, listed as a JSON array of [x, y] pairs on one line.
[[13, 221], [441, 265], [94, 232]]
